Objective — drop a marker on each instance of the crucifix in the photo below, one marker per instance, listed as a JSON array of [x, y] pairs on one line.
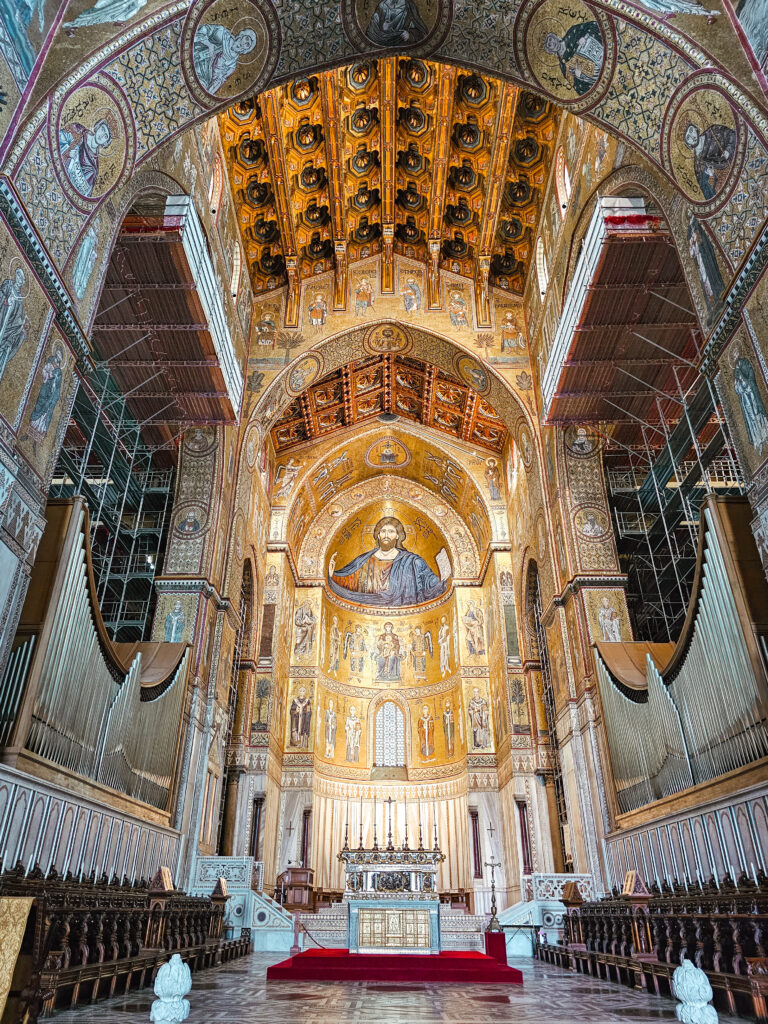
[[493, 924]]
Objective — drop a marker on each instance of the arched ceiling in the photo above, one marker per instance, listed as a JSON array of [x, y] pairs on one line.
[[396, 155], [393, 386]]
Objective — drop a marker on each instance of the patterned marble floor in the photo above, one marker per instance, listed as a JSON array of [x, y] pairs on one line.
[[239, 993]]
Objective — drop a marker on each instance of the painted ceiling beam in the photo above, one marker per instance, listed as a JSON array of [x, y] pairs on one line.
[[329, 98], [388, 116], [274, 139], [441, 158]]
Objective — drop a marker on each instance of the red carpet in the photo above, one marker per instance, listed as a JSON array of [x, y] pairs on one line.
[[341, 965]]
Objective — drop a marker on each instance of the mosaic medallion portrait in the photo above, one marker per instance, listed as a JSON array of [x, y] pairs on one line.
[[702, 145], [419, 25], [230, 48], [568, 48], [92, 142]]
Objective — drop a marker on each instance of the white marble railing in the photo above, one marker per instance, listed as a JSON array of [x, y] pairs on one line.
[[41, 823], [550, 886], [240, 873]]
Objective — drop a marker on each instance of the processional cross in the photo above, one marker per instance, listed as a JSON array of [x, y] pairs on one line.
[[493, 924]]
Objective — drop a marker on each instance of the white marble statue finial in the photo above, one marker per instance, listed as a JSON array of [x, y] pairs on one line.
[[173, 982], [691, 986]]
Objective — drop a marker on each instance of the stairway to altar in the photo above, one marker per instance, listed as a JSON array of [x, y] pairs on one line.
[[341, 965]]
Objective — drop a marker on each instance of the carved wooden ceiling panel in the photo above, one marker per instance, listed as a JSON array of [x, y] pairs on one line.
[[390, 156], [389, 384]]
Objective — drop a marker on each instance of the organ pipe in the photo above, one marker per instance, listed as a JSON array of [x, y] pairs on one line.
[[700, 710], [73, 697]]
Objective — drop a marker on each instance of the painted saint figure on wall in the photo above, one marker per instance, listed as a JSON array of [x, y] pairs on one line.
[[703, 255], [81, 150], [353, 728], [421, 645], [49, 394], [216, 52], [479, 720], [363, 297], [334, 645], [474, 627], [301, 718], [580, 53], [388, 574], [449, 729], [388, 654], [395, 22], [14, 322], [173, 631], [444, 644], [330, 730], [713, 152], [751, 402], [411, 295], [426, 729], [609, 621], [304, 621], [356, 647]]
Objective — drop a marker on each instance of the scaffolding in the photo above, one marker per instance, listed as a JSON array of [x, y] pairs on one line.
[[105, 459], [656, 489]]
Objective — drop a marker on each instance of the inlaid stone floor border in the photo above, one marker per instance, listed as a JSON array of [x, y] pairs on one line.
[[239, 993]]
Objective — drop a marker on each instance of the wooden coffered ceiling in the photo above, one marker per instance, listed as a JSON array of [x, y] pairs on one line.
[[389, 384], [391, 156]]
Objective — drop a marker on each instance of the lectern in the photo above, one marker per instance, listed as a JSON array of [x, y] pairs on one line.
[[297, 887]]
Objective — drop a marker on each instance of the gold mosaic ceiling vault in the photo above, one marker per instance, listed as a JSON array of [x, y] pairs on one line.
[[390, 156], [389, 384]]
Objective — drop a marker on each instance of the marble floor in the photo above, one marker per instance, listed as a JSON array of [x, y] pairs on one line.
[[239, 993]]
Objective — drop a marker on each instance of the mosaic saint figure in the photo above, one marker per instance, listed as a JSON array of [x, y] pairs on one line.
[[16, 17], [330, 730], [591, 527], [363, 297], [751, 402], [444, 645], [426, 729], [14, 322], [49, 394], [81, 148], [479, 720], [411, 295], [493, 479], [387, 455], [216, 51], [334, 645], [421, 645], [173, 631], [353, 729], [189, 524], [703, 255], [318, 310], [304, 621], [388, 574], [474, 627], [107, 11], [395, 22], [301, 717], [511, 335], [457, 310], [356, 646], [713, 152], [388, 654], [580, 53], [286, 477], [449, 728], [84, 261], [609, 621]]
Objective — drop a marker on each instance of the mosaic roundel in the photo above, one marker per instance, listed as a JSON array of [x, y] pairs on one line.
[[92, 139], [304, 372], [230, 48], [702, 145], [418, 26], [384, 338], [569, 48], [472, 373]]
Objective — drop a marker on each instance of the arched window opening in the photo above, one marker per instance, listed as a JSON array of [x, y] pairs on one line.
[[541, 266], [216, 187], [237, 262], [390, 736], [563, 181]]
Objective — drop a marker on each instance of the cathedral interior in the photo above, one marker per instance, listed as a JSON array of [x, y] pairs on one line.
[[383, 505]]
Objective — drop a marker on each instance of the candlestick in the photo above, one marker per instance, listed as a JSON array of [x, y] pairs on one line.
[[405, 840], [361, 820]]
